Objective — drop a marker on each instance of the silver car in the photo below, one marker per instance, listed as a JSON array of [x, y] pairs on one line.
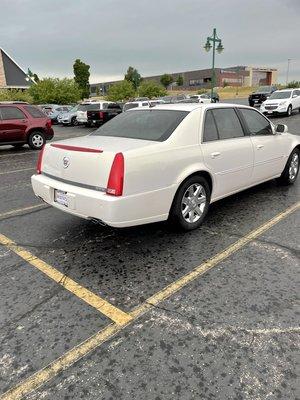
[[70, 117]]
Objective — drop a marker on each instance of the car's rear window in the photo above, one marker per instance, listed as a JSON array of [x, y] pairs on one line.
[[156, 125], [34, 112]]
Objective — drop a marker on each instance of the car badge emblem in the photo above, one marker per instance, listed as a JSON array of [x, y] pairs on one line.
[[66, 162]]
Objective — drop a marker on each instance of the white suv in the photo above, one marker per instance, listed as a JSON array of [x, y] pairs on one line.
[[282, 101]]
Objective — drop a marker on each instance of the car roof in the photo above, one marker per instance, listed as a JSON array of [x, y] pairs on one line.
[[189, 106]]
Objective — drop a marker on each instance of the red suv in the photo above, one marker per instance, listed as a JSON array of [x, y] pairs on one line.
[[24, 123]]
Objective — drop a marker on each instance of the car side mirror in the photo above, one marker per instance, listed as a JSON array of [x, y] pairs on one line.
[[281, 128]]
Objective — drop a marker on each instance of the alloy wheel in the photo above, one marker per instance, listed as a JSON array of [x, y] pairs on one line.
[[294, 166], [193, 203]]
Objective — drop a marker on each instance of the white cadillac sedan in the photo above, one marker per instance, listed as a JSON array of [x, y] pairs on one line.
[[165, 162]]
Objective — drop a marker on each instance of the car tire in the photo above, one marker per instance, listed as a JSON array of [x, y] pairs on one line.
[[36, 140], [74, 121], [190, 204], [291, 169], [289, 111], [251, 104]]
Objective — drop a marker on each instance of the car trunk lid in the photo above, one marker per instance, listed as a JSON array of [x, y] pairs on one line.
[[86, 160]]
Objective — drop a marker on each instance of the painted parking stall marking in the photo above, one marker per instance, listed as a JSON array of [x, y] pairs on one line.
[[17, 170], [104, 307], [19, 211], [69, 358]]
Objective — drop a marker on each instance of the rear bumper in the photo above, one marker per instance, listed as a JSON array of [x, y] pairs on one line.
[[118, 212]]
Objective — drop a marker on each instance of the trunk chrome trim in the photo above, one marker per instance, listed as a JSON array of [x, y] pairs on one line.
[[82, 185]]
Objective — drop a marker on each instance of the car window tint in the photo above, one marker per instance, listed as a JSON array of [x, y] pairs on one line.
[[12, 113], [228, 124], [34, 112], [210, 130], [152, 124], [257, 124]]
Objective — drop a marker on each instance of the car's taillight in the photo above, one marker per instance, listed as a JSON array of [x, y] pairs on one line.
[[49, 123], [116, 176], [39, 161], [101, 114]]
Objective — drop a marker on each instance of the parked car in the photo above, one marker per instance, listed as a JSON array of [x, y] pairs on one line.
[[215, 97], [141, 98], [56, 111], [166, 162], [135, 104], [21, 123], [282, 101], [201, 98], [174, 99], [47, 108], [96, 117], [261, 94], [69, 118], [91, 105]]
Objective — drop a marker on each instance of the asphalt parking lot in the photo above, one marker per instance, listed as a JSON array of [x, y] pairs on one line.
[[91, 312]]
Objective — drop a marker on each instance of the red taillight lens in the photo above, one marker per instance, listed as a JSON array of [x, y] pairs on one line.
[[101, 114], [116, 176], [49, 123], [40, 160]]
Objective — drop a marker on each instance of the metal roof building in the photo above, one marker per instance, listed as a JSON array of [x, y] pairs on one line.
[[12, 76]]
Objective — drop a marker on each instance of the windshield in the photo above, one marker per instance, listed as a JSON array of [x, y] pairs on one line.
[[263, 89], [280, 95], [156, 125], [74, 109]]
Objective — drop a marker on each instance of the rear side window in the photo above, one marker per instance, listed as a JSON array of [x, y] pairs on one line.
[[113, 107], [210, 130], [228, 123], [257, 124], [11, 113], [34, 112], [156, 125]]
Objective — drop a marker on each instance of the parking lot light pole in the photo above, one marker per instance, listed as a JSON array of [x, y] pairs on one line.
[[213, 39]]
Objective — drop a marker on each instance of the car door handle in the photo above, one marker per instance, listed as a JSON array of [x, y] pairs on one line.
[[215, 154], [259, 146]]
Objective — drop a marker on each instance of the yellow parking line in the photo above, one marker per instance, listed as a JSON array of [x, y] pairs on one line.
[[104, 307], [16, 170], [20, 210], [76, 353]]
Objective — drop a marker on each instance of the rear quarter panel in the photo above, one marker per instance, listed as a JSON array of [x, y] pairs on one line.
[[166, 164]]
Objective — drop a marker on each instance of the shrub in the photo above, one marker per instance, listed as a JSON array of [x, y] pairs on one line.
[[151, 89], [56, 91], [15, 95], [121, 91]]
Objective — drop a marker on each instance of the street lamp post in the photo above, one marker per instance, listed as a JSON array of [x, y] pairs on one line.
[[214, 39], [288, 70]]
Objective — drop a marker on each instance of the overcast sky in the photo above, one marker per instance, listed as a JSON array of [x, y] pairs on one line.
[[155, 36]]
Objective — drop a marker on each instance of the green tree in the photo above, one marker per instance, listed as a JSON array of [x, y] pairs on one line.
[[54, 90], [33, 76], [151, 89], [123, 90], [133, 76], [166, 80], [81, 77], [179, 80], [293, 84]]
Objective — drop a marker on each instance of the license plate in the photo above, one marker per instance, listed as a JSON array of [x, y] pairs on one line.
[[60, 197]]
